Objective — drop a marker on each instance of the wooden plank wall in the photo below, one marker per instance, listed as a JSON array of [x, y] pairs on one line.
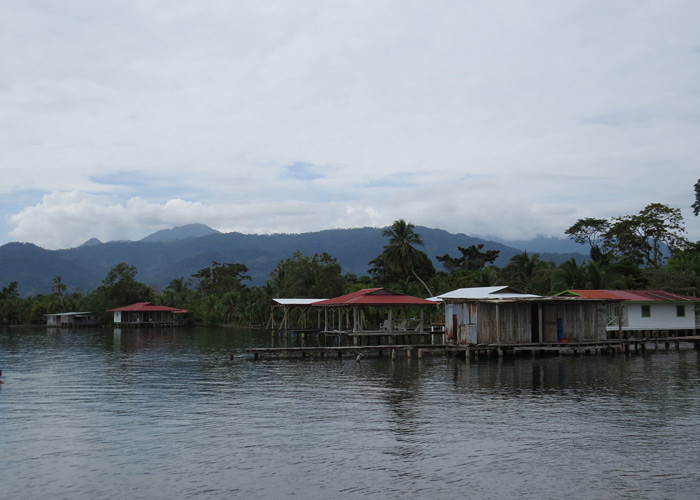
[[504, 323]]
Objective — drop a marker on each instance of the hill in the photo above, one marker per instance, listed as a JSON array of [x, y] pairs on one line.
[[162, 259], [180, 233]]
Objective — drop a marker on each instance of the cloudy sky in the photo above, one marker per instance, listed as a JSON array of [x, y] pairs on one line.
[[506, 118]]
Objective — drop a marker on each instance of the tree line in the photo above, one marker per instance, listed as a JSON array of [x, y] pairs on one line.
[[647, 250]]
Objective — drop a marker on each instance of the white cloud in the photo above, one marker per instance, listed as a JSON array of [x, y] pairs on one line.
[[477, 117]]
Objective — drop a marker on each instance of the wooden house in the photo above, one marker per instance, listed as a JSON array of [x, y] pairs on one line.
[[145, 314], [654, 311], [501, 315], [72, 319]]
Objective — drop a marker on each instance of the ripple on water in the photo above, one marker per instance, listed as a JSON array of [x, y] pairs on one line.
[[90, 415]]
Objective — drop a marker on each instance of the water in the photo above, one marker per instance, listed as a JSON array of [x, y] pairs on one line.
[[162, 415]]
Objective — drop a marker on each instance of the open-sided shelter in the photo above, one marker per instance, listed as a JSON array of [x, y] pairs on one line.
[[295, 313], [338, 312]]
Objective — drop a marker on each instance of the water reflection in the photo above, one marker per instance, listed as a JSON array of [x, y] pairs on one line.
[[167, 413]]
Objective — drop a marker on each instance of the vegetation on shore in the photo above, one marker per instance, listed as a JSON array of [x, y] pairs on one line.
[[647, 250]]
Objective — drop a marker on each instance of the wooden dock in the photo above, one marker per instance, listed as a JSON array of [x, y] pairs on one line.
[[475, 351]]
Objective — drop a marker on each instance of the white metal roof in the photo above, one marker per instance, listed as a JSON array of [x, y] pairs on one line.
[[487, 292], [69, 314], [296, 302]]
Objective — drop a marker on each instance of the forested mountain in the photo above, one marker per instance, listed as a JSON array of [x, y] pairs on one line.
[[175, 253]]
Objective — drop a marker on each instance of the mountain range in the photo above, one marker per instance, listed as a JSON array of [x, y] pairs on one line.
[[180, 252]]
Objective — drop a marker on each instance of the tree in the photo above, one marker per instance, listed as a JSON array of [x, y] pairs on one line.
[[221, 278], [569, 275], [311, 277], [472, 259], [121, 288], [641, 238], [590, 231], [529, 273], [696, 206], [400, 255], [59, 287], [9, 291]]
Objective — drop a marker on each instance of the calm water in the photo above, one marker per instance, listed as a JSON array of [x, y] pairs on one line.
[[93, 414]]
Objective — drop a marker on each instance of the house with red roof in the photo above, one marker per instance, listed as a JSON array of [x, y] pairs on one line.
[[145, 314], [653, 311]]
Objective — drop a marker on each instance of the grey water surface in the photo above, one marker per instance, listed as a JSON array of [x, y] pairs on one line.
[[98, 414]]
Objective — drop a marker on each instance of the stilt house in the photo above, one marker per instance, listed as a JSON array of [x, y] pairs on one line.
[[653, 311], [502, 315], [73, 319], [145, 314]]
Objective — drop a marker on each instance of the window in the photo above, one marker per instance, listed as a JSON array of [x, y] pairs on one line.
[[646, 311], [680, 311]]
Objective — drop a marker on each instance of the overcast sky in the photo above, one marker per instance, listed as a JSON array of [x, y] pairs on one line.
[[485, 117]]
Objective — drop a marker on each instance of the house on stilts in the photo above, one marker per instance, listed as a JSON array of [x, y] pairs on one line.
[[648, 312], [145, 314], [504, 316], [72, 319]]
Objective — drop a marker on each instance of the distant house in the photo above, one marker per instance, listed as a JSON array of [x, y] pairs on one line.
[[73, 319], [144, 314], [502, 315], [645, 310]]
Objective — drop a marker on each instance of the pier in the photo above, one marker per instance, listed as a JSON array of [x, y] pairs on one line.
[[476, 351]]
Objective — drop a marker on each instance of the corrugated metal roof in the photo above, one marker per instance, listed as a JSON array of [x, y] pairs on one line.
[[296, 302], [634, 295], [486, 292], [375, 297], [148, 307], [69, 314]]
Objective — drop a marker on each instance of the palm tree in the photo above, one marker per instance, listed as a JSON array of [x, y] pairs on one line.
[[178, 285], [569, 276], [599, 276], [400, 255], [528, 273], [59, 287]]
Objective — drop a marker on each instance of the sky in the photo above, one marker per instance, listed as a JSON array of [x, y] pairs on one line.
[[511, 119]]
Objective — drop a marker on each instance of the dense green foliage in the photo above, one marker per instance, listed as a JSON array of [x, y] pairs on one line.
[[643, 251]]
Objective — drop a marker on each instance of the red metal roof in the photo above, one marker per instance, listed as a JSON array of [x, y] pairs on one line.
[[375, 297], [148, 307], [634, 295]]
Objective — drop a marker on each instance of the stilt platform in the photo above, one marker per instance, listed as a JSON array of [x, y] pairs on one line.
[[410, 350], [612, 346]]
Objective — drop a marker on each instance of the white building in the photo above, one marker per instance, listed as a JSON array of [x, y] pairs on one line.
[[645, 310]]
